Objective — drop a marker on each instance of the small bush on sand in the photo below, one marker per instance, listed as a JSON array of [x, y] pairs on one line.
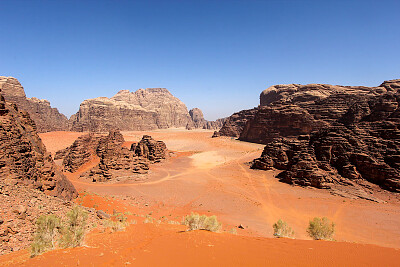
[[321, 229], [282, 229], [117, 222], [195, 221], [46, 234], [73, 230]]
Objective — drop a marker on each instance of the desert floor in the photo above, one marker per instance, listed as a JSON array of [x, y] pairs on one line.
[[212, 176]]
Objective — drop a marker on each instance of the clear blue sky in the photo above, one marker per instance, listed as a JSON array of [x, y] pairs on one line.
[[216, 55]]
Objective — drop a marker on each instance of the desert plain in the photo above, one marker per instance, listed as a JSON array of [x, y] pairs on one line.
[[212, 176]]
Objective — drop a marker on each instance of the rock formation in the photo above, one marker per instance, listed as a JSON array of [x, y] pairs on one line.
[[116, 162], [145, 109], [321, 135], [45, 117], [233, 125], [198, 121], [23, 157]]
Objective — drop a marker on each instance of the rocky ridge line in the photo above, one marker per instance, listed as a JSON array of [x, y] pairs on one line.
[[46, 118]]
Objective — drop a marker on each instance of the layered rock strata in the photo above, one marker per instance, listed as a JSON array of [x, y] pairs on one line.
[[45, 117], [322, 135], [145, 109], [234, 125], [116, 162], [23, 157]]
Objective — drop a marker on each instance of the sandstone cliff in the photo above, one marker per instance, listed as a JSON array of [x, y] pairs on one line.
[[323, 135], [145, 109], [116, 162], [23, 157], [45, 117]]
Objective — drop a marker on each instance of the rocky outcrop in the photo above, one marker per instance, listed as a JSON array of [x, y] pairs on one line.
[[23, 157], [45, 117], [198, 121], [20, 207], [80, 152], [234, 125], [116, 162], [322, 135], [145, 109]]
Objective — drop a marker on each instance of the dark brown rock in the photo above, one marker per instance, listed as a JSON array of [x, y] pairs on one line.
[[45, 117], [116, 162], [234, 125], [23, 157], [342, 138]]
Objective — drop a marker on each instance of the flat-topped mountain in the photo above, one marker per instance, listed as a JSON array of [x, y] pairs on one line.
[[144, 109], [45, 117]]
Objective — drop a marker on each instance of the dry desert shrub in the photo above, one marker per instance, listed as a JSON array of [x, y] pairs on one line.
[[117, 222], [46, 234], [321, 229], [282, 229], [195, 221], [73, 230]]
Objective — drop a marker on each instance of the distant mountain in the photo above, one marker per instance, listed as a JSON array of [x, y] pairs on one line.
[[46, 118]]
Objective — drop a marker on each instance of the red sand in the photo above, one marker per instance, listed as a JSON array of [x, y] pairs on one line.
[[210, 175]]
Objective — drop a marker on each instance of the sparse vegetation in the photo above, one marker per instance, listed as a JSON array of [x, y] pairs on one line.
[[73, 230], [282, 229], [117, 222], [321, 229], [46, 234], [195, 221], [51, 232]]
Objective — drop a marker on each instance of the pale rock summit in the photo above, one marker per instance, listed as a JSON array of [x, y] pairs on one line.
[[144, 109]]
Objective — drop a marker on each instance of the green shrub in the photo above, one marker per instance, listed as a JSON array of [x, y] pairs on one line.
[[46, 234], [321, 229], [202, 222], [281, 229], [73, 230]]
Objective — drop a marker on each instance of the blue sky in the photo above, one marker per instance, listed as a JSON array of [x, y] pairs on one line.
[[216, 55]]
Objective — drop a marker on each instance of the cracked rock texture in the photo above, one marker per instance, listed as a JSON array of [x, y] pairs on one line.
[[46, 118], [23, 157], [145, 109], [116, 161]]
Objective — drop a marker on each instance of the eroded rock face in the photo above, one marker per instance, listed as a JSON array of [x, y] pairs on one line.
[[45, 117], [145, 109], [23, 157], [234, 125], [331, 134], [116, 162], [198, 121]]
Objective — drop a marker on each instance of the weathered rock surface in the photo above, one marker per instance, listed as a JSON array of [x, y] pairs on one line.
[[23, 157], [116, 162], [234, 125], [145, 109], [198, 121], [20, 207], [322, 135], [45, 117]]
